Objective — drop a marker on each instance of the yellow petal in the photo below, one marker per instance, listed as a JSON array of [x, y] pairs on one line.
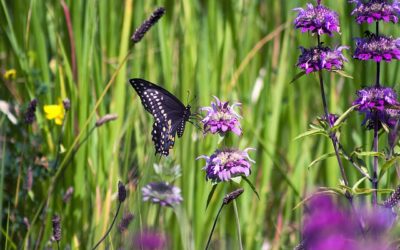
[[10, 74], [59, 120], [52, 111]]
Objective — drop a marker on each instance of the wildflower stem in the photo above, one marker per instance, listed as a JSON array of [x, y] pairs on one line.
[[58, 245], [213, 227], [378, 65], [59, 142], [109, 229], [237, 224], [375, 167]]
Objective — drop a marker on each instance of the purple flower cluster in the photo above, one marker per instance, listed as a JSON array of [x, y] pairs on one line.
[[376, 10], [30, 112], [377, 48], [319, 58], [226, 164], [221, 118], [317, 19], [162, 193], [149, 240], [378, 104], [330, 227], [332, 118]]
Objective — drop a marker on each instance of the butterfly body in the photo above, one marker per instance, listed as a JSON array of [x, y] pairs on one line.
[[170, 115]]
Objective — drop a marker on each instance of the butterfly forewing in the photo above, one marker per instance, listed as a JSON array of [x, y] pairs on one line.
[[170, 115]]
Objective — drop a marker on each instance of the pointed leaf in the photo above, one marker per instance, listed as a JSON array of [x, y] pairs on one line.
[[312, 196], [343, 117], [210, 195], [342, 73], [387, 165], [321, 158], [297, 76], [252, 186], [310, 133], [370, 153]]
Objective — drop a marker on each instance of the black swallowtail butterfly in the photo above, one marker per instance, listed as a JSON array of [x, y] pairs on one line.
[[170, 115]]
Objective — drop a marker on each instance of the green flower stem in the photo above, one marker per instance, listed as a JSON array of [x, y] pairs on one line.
[[237, 224], [213, 227], [109, 229]]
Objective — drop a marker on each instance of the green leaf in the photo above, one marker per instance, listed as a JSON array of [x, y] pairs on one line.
[[210, 195], [387, 165], [321, 158], [337, 190], [237, 179], [355, 186], [311, 132], [340, 120], [312, 196], [252, 186], [298, 76], [342, 73], [369, 153]]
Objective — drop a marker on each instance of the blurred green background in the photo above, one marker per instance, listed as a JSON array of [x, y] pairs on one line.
[[242, 51]]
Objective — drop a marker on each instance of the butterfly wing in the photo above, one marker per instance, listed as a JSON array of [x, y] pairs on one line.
[[167, 110]]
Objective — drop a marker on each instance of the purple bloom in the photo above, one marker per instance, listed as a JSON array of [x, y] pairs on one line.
[[332, 118], [226, 164], [149, 240], [221, 118], [331, 227], [162, 193], [377, 48], [376, 10], [377, 103], [319, 58], [30, 112], [317, 19]]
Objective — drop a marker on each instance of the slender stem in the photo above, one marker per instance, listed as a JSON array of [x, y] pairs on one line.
[[237, 225], [378, 65], [353, 163], [157, 218], [58, 245], [375, 167], [109, 229], [332, 135], [59, 141], [213, 227]]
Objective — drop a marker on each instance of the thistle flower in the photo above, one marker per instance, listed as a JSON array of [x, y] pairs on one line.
[[221, 118], [30, 112], [378, 104], [393, 199], [232, 196], [56, 228], [319, 58], [146, 25], [226, 164], [125, 221], [162, 193], [376, 10], [149, 240], [317, 19], [329, 226], [55, 112], [377, 48]]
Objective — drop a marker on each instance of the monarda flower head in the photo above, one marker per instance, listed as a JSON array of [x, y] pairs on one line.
[[317, 19], [329, 226], [377, 48], [162, 193], [221, 118], [319, 58], [226, 164], [378, 104], [376, 10]]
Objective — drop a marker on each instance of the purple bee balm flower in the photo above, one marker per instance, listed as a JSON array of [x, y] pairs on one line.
[[319, 58], [149, 240], [162, 193], [226, 164], [331, 227], [379, 104], [317, 19], [376, 10], [221, 118], [377, 48], [332, 118]]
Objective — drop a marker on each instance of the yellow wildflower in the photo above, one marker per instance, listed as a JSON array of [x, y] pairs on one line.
[[10, 74], [55, 112]]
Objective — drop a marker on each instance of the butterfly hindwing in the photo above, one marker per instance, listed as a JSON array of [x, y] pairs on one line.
[[170, 115]]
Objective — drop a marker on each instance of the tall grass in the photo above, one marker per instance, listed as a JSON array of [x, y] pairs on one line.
[[237, 50]]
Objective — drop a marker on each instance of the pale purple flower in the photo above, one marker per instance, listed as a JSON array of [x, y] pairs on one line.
[[378, 104], [319, 58], [377, 48], [226, 164], [329, 226], [317, 19], [376, 10], [149, 240], [221, 118], [162, 193]]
